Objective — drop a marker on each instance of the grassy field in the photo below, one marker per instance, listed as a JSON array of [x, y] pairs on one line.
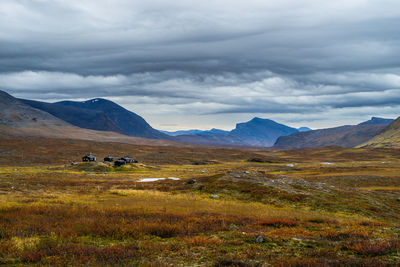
[[313, 207]]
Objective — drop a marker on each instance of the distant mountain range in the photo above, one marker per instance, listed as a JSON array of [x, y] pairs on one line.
[[101, 119], [212, 131], [195, 132], [345, 136], [261, 132], [256, 132], [104, 115]]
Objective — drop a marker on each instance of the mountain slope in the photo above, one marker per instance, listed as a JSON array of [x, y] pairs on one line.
[[256, 132], [83, 118], [129, 122], [345, 136], [389, 137], [18, 119], [14, 113], [261, 132], [376, 120], [211, 139], [216, 132]]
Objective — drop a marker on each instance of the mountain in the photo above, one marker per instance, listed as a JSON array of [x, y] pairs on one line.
[[182, 132], [195, 132], [216, 132], [256, 132], [104, 115], [261, 132], [211, 139], [376, 120], [18, 119], [83, 118], [14, 113], [304, 129], [344, 136], [100, 114], [389, 137]]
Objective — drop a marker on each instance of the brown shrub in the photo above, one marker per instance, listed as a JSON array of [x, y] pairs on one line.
[[67, 221], [323, 220], [317, 220], [370, 223], [6, 248], [83, 254], [296, 262], [374, 248], [235, 263], [278, 222], [311, 262], [346, 234], [203, 241]]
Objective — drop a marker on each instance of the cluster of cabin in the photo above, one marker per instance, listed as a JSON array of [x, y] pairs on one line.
[[120, 162]]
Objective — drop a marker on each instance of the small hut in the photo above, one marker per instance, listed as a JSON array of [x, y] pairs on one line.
[[128, 160], [119, 163], [109, 159], [89, 158]]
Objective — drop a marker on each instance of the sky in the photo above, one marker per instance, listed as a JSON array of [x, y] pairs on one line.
[[187, 64]]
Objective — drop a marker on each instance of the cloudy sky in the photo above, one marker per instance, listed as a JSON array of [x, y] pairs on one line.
[[185, 64]]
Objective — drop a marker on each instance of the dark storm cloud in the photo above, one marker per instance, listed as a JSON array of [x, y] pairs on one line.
[[276, 58]]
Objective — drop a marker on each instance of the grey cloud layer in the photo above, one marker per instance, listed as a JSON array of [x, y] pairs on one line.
[[263, 92], [255, 57]]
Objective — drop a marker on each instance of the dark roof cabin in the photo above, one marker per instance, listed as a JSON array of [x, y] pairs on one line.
[[128, 160], [109, 159], [119, 163], [89, 158]]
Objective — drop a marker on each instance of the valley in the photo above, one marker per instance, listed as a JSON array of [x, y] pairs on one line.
[[224, 207], [199, 133], [208, 198]]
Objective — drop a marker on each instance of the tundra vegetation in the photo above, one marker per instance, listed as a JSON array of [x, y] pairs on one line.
[[312, 207]]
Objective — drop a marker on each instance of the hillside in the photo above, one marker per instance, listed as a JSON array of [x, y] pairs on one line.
[[14, 113], [211, 139], [344, 136], [22, 120], [130, 123], [389, 137], [83, 118]]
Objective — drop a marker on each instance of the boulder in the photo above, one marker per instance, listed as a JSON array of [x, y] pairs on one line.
[[192, 181], [259, 239]]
